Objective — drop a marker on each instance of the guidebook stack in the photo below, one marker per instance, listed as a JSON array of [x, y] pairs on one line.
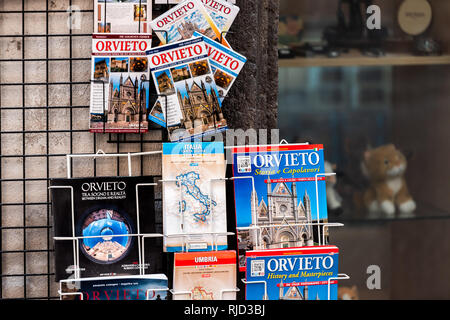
[[280, 202], [194, 69]]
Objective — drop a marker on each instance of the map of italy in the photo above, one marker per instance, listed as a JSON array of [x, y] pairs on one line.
[[188, 182]]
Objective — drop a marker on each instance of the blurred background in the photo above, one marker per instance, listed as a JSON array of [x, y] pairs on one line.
[[356, 91]]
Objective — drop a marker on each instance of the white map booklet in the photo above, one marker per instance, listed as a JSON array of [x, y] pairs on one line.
[[194, 200]]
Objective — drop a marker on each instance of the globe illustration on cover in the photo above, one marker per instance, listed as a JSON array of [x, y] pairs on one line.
[[105, 233]]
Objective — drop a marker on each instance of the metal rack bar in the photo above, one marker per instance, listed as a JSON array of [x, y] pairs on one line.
[[47, 148], [23, 148]]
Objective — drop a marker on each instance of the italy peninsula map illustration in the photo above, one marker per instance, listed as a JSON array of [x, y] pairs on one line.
[[188, 183], [194, 196]]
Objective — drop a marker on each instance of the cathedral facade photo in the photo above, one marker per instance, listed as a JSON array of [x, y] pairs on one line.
[[293, 292], [200, 107], [127, 103], [285, 220]]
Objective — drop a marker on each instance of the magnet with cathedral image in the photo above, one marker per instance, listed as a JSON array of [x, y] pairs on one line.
[[278, 204]]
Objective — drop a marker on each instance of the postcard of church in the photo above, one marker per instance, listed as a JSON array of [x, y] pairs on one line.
[[180, 22], [119, 83], [280, 196], [122, 16], [226, 65], [204, 276], [189, 100], [307, 273], [194, 203], [222, 12]]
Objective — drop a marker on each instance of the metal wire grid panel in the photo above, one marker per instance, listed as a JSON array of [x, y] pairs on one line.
[[44, 101]]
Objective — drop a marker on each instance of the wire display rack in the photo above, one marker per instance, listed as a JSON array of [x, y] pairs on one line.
[[23, 273], [22, 206]]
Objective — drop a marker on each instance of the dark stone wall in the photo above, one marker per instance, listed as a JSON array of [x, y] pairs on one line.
[[252, 101]]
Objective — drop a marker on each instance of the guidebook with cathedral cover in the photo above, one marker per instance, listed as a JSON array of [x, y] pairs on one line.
[[307, 273], [222, 12], [225, 64], [107, 215], [278, 203], [142, 287], [205, 276], [122, 16], [183, 78], [119, 83], [180, 22], [194, 204]]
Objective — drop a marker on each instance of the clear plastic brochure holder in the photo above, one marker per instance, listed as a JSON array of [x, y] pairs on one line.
[[76, 239]]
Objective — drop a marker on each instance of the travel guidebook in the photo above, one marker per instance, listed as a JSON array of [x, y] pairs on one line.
[[120, 83], [222, 12], [122, 16], [204, 1], [180, 22], [204, 276], [194, 208], [105, 217], [292, 274], [275, 196], [182, 72], [225, 64], [143, 287]]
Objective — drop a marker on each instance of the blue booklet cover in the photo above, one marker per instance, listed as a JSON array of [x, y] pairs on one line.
[[307, 273], [280, 196], [143, 287]]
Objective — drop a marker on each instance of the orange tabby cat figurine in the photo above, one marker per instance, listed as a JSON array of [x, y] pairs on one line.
[[385, 167], [346, 293]]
